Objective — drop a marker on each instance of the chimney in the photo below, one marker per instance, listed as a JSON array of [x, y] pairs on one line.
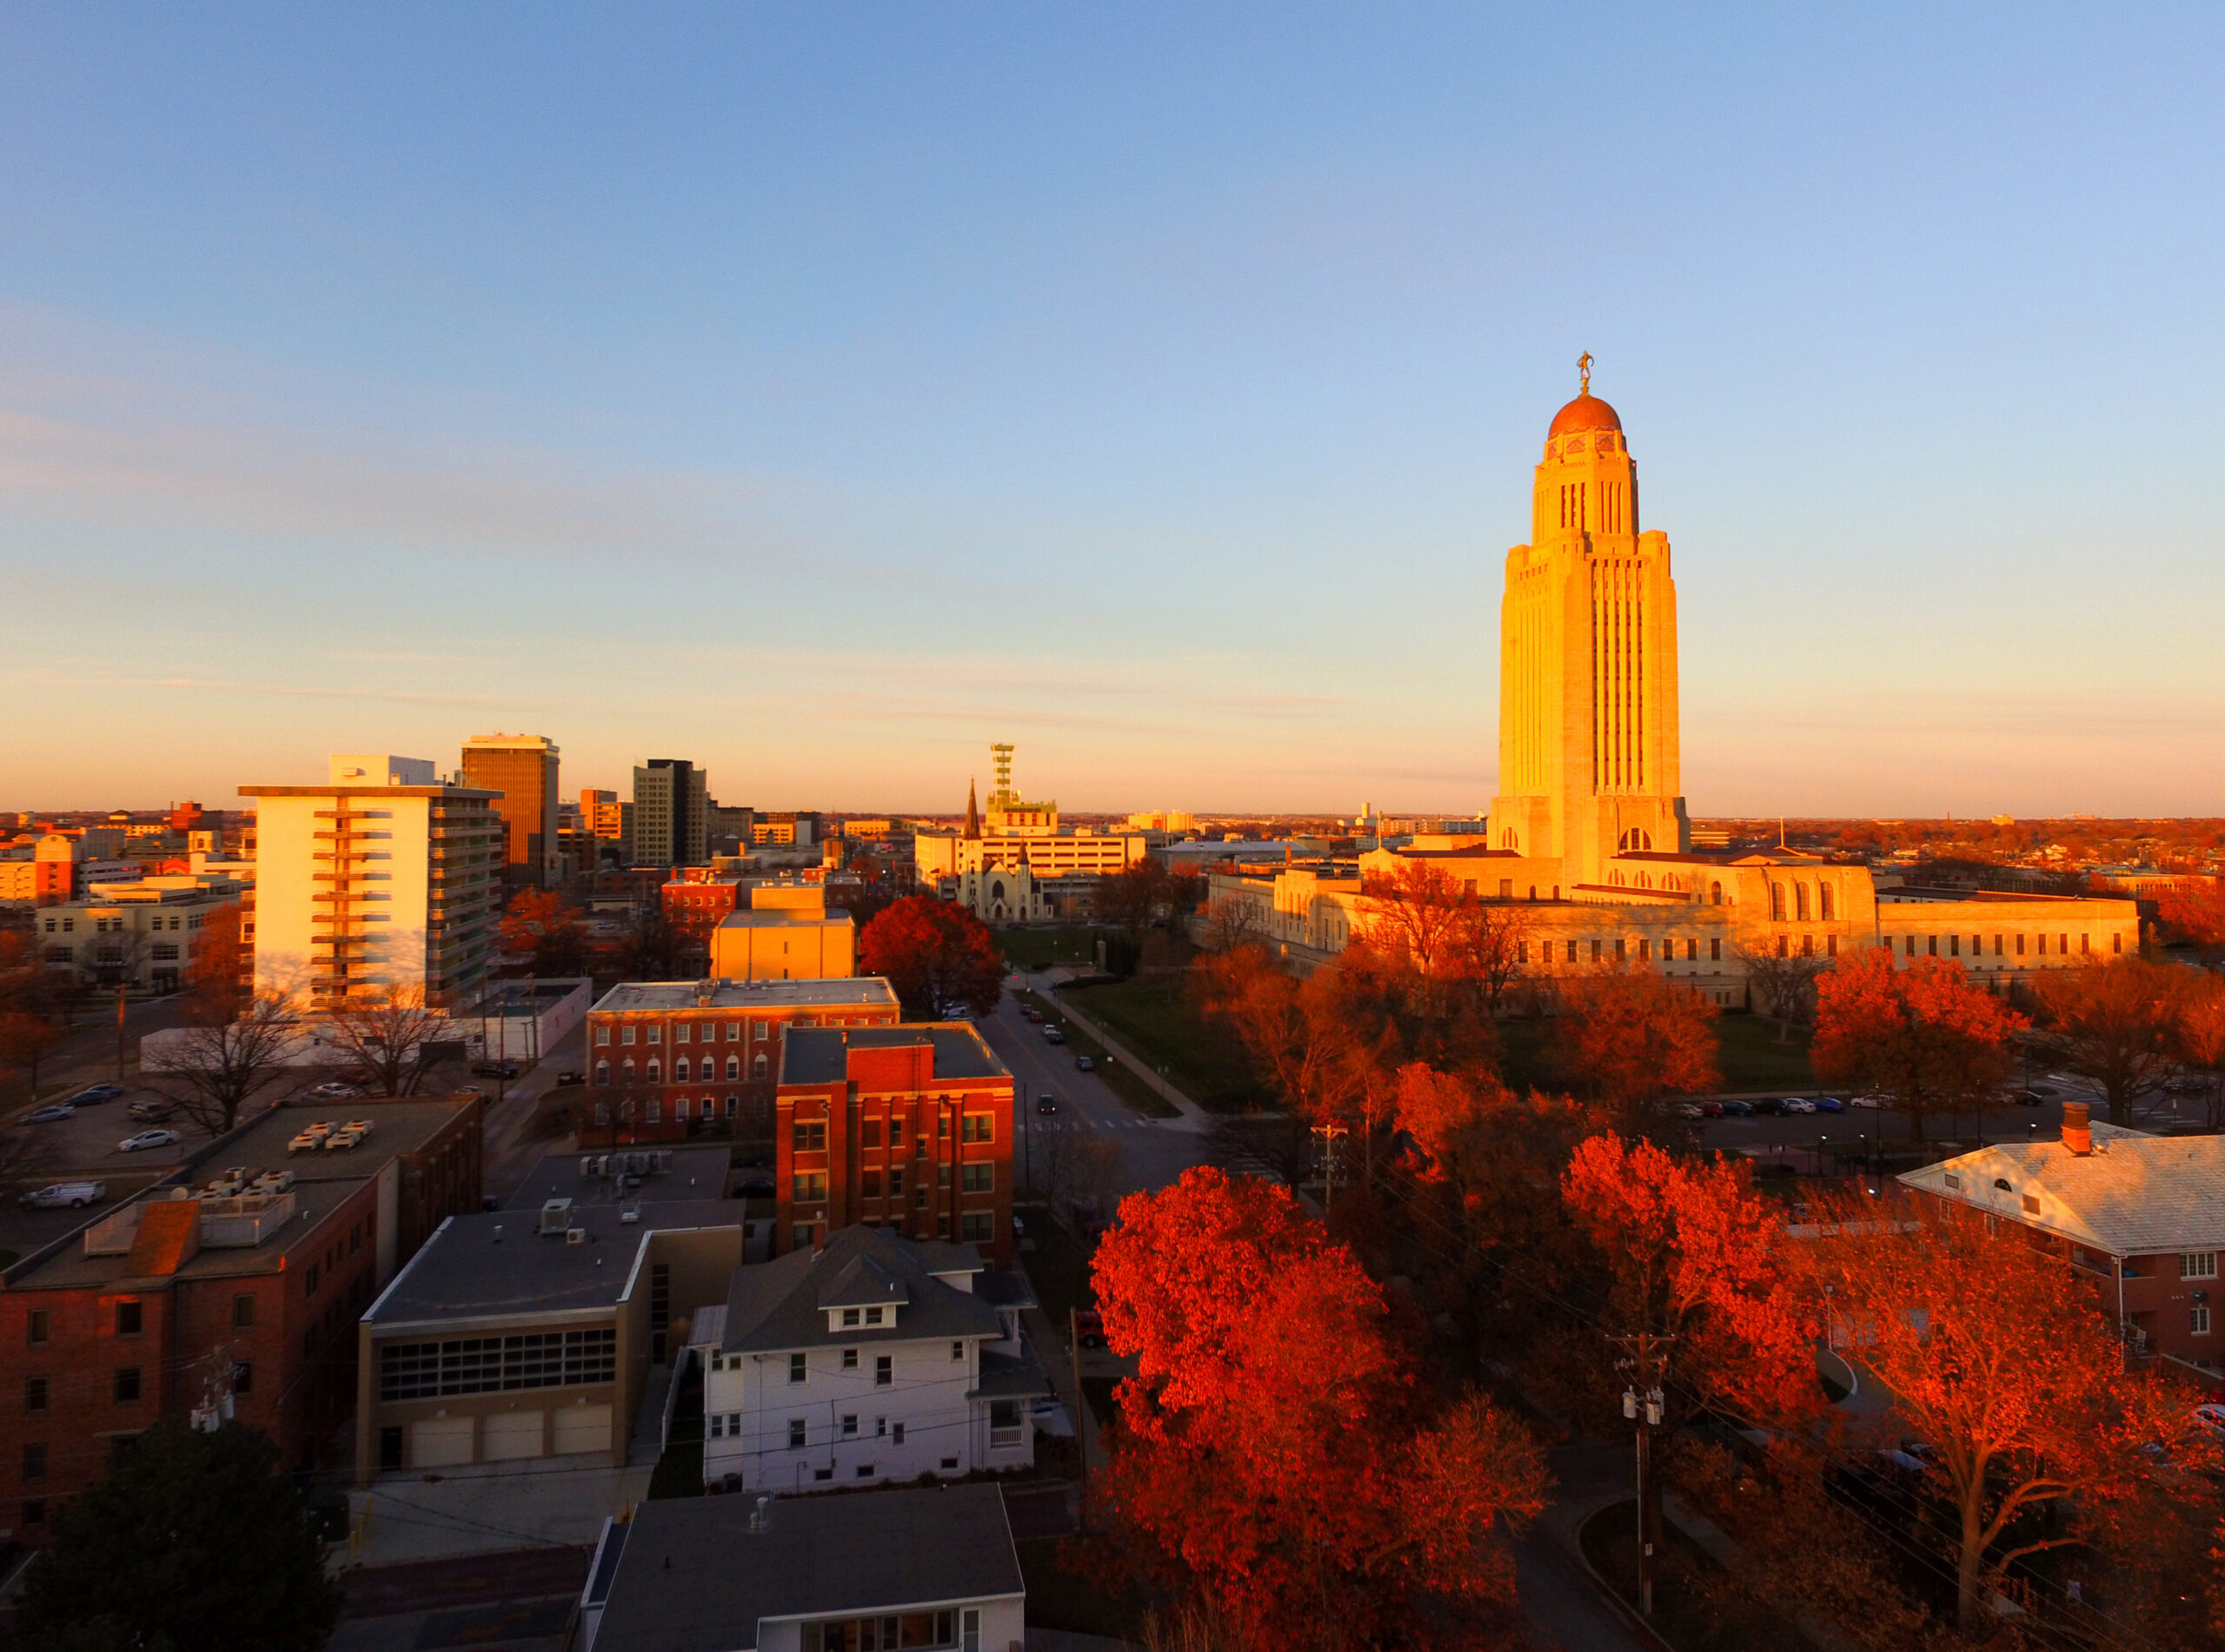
[[2076, 1134]]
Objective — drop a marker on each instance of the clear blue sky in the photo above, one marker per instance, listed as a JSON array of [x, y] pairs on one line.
[[822, 392]]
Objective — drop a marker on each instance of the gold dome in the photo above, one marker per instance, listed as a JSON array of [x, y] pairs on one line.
[[1587, 412]]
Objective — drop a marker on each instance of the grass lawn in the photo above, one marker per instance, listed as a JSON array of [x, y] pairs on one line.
[[1746, 1051], [1156, 1019], [1059, 1599], [1035, 949]]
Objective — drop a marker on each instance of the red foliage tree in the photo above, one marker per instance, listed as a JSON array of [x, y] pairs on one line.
[[546, 929], [1632, 1035], [1277, 1467], [1927, 1033], [2116, 1022], [938, 958], [2196, 910]]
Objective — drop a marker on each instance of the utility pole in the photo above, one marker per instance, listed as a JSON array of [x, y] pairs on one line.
[[1646, 1359], [1331, 1133], [119, 1031]]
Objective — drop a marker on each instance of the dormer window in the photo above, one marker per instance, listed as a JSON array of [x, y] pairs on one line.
[[853, 1315], [873, 1316]]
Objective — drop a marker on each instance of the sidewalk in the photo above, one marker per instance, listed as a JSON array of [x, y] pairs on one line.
[[1194, 1118]]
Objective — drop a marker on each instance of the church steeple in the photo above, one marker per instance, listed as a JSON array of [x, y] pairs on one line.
[[973, 811]]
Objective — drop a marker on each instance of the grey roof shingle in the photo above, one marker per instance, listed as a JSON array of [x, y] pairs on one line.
[[693, 1577], [2134, 1195], [780, 1305]]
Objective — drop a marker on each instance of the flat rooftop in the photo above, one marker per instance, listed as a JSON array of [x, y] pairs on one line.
[[861, 992], [821, 1055], [879, 1552], [690, 1174], [495, 1263], [783, 918], [68, 1267]]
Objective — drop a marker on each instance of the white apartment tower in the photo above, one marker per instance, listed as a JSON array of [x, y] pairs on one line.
[[385, 876]]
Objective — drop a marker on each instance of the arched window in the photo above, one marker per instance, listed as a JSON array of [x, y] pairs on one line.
[[1646, 881], [656, 1070], [733, 1068], [1777, 903], [757, 1068], [603, 1072], [1635, 839], [1824, 902], [1509, 840], [628, 1070], [1714, 894], [1800, 900], [679, 1069], [655, 1113]]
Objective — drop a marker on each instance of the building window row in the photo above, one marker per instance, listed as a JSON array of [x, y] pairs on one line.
[[2001, 946], [489, 1364]]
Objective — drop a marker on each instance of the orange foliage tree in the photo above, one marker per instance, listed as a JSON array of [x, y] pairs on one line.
[[1277, 1467], [2195, 908], [2200, 1036], [939, 959], [1633, 1036], [1297, 1035], [2115, 1022], [1927, 1032], [2005, 1364], [546, 928]]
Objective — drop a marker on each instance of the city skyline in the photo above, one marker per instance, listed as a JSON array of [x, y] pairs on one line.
[[826, 401]]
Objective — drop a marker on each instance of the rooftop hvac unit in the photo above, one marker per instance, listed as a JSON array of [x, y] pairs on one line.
[[575, 1236], [587, 1166], [555, 1215], [661, 1162]]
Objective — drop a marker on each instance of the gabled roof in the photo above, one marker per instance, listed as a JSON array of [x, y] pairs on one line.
[[781, 1306], [2134, 1195]]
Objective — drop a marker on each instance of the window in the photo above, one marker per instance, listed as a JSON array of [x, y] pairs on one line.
[[1954, 946], [656, 1070], [1783, 946], [942, 1176], [626, 1033], [494, 1365], [958, 1350], [760, 1030], [796, 1372], [35, 1394], [682, 1069], [795, 1434], [602, 1035], [884, 1371], [2198, 1265], [849, 1425], [1800, 900], [977, 1127], [2198, 1320], [130, 1316], [977, 1179], [809, 1138], [733, 1069], [1931, 945], [871, 1181], [626, 1070], [127, 1385], [1715, 950], [896, 1132], [757, 1068], [243, 1376], [2031, 1204], [1646, 948], [36, 1326], [810, 1187], [1824, 902], [853, 1317], [34, 1459], [1004, 1423], [849, 1355], [2020, 946], [896, 1181], [1777, 903], [977, 1227], [683, 1033], [800, 1236], [655, 1034], [1595, 951], [898, 1435], [873, 1316], [865, 1471]]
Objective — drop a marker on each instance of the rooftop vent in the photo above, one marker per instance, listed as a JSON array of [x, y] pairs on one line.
[[555, 1215]]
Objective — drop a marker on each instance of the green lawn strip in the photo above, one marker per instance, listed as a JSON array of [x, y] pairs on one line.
[[1155, 1017], [1060, 1599], [1751, 1058], [1129, 1085], [1037, 949]]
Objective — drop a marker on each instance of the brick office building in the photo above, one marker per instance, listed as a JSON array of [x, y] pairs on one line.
[[666, 1058], [240, 1303], [2141, 1219], [904, 1127], [693, 903]]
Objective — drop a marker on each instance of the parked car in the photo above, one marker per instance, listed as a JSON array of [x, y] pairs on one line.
[[2209, 1418], [1829, 1104], [146, 1139], [1690, 1110], [495, 1068], [1051, 1418], [1711, 1110], [1031, 1012], [1875, 1101], [2187, 1084], [335, 1091], [1738, 1109], [74, 1195], [1051, 1035], [1089, 1328], [1046, 1104], [93, 1095], [151, 1113], [1085, 1064], [563, 1079], [1768, 1107], [53, 1113], [2025, 1098], [1798, 1105]]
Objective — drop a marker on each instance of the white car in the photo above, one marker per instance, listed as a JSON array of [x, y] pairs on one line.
[[146, 1139], [1876, 1100], [74, 1195], [1798, 1105], [335, 1092]]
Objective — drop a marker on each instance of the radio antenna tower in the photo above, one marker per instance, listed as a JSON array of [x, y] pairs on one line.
[[1001, 795]]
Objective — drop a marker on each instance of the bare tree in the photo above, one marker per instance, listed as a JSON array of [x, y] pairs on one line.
[[26, 1041], [210, 1072], [1784, 984], [1493, 947], [390, 1033], [1233, 922]]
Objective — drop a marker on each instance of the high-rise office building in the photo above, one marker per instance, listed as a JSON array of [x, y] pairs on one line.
[[523, 767], [383, 877], [671, 813]]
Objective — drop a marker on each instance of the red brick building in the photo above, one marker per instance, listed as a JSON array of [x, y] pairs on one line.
[[2139, 1217], [666, 1059], [905, 1127], [241, 1302], [694, 901]]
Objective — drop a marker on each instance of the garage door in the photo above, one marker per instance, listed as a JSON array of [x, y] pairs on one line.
[[511, 1434], [440, 1443], [582, 1428]]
